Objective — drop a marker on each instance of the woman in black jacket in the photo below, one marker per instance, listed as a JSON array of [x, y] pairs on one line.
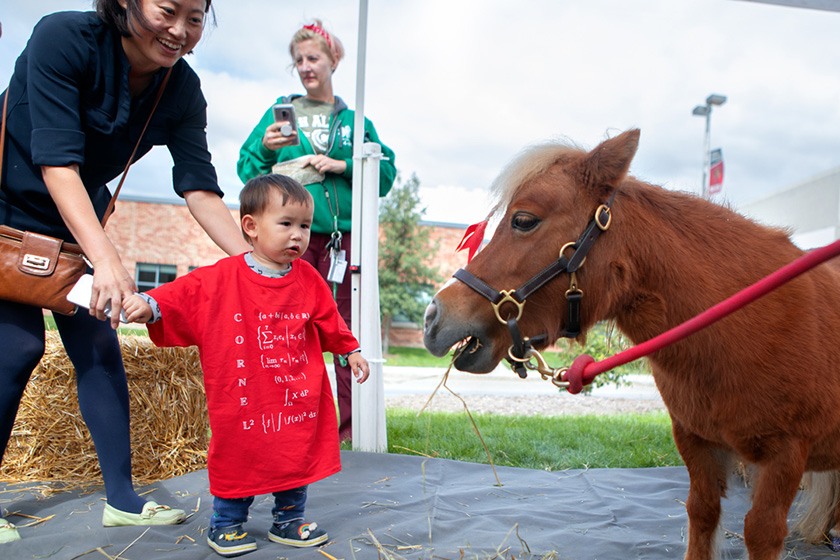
[[81, 92]]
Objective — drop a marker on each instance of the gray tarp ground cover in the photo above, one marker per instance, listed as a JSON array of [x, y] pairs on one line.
[[414, 508]]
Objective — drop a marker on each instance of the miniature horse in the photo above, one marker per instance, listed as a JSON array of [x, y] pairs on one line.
[[760, 386]]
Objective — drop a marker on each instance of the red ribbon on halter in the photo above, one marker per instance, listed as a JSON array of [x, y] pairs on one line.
[[472, 239]]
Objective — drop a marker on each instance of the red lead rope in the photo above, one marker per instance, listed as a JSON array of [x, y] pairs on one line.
[[584, 369]]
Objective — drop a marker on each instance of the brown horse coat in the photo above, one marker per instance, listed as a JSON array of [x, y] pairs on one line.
[[762, 385]]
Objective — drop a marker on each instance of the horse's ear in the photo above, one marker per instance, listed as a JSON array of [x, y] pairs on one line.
[[606, 166]]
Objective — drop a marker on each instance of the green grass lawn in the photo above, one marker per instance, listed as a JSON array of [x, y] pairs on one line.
[[414, 357], [545, 443]]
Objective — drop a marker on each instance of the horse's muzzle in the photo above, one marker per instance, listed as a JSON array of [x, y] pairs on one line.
[[441, 332]]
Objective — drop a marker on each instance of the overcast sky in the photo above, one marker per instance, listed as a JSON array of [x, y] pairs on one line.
[[458, 87]]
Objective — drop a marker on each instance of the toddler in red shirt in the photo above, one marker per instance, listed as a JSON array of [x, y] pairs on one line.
[[261, 322]]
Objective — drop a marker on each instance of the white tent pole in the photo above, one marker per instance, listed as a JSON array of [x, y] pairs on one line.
[[369, 432], [358, 154]]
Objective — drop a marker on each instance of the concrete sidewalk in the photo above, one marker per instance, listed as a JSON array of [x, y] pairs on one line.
[[399, 381]]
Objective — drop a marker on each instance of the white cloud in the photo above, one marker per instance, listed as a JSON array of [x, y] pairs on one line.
[[454, 204], [458, 88]]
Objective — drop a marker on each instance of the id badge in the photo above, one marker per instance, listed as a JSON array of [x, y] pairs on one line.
[[338, 266]]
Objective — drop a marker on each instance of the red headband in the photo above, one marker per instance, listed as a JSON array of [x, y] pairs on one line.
[[320, 31]]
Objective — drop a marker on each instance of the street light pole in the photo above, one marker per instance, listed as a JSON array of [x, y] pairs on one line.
[[706, 111]]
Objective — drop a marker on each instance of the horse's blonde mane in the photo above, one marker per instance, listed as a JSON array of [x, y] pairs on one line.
[[526, 165]]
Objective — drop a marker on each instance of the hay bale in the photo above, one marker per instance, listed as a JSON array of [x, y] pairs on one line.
[[169, 426]]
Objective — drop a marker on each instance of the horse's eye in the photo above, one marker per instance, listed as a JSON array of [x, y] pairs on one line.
[[522, 221]]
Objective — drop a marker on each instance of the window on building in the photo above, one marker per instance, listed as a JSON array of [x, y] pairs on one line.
[[153, 275]]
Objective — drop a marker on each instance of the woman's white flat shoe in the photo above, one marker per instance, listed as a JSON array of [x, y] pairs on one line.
[[8, 533], [152, 514]]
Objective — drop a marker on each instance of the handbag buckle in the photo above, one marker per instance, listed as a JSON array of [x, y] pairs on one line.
[[36, 262]]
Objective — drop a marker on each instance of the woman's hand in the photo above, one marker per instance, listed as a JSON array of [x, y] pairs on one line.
[[324, 164], [273, 139], [112, 285]]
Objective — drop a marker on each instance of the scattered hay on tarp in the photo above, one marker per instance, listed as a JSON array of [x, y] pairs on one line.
[[169, 426]]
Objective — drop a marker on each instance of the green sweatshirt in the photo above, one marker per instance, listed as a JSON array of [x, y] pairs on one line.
[[255, 159]]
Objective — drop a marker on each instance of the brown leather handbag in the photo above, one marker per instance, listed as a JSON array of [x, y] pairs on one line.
[[40, 270]]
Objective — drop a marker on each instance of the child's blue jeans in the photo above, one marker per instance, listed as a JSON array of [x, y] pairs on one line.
[[288, 506]]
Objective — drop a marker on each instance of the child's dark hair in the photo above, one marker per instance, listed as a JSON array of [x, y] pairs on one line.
[[256, 194]]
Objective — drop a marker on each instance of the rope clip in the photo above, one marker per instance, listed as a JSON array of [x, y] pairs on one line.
[[535, 361]]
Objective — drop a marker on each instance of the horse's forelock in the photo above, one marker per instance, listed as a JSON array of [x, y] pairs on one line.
[[529, 163]]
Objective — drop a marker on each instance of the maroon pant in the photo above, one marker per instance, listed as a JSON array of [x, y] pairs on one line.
[[318, 256]]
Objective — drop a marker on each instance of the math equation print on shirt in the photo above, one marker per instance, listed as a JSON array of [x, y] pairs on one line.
[[279, 343]]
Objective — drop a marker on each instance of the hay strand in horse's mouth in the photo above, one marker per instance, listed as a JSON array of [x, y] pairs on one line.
[[470, 345], [442, 383]]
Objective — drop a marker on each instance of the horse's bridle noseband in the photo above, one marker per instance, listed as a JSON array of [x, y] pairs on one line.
[[518, 353]]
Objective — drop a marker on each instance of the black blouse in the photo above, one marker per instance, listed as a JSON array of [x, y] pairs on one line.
[[69, 102]]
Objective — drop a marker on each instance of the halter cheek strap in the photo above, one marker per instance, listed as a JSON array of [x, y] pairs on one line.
[[599, 223]]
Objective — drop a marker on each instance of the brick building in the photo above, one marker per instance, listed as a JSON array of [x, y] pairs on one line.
[[159, 240]]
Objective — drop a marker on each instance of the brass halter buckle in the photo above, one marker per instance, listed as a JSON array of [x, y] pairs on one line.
[[603, 208], [571, 245], [508, 298]]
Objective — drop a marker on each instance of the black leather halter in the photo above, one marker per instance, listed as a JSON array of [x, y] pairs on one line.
[[599, 223]]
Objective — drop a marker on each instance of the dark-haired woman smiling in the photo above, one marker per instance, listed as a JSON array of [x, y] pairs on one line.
[[81, 91]]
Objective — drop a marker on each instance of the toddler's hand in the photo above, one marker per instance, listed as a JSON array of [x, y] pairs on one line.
[[359, 366], [136, 309]]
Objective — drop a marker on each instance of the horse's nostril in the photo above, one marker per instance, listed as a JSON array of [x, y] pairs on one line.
[[431, 315]]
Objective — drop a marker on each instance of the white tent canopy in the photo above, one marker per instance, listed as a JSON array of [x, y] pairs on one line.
[[829, 5]]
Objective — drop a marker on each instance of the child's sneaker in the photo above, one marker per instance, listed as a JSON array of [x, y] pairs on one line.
[[297, 533], [231, 541]]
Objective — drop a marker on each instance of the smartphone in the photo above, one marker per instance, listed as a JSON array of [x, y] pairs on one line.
[[286, 112], [80, 295]]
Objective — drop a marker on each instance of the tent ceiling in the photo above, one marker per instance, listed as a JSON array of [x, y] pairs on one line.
[[830, 5]]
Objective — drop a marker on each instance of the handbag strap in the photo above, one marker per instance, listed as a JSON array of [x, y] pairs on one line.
[[113, 201], [3, 134]]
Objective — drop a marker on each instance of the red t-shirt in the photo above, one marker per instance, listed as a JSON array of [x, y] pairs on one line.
[[260, 339]]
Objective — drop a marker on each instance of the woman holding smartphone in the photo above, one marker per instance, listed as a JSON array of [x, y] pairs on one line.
[[323, 138], [79, 96]]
